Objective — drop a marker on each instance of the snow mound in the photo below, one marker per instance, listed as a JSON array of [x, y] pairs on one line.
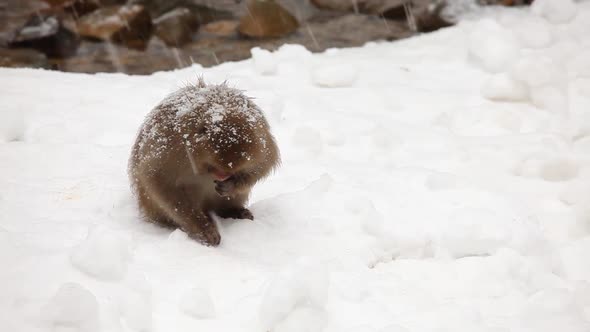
[[73, 308], [330, 75], [197, 303], [264, 61], [534, 32], [548, 169], [302, 319], [570, 257], [551, 98], [476, 232], [546, 81], [12, 125], [295, 299], [555, 11], [554, 308], [362, 328], [579, 65], [393, 328], [502, 87], [136, 305], [104, 254], [537, 71], [492, 47], [308, 139]]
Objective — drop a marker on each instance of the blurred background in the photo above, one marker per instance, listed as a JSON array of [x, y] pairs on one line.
[[145, 36]]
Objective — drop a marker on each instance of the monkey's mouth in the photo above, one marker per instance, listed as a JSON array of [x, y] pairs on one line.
[[218, 174], [221, 176]]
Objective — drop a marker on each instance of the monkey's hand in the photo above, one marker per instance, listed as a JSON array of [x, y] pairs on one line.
[[226, 188]]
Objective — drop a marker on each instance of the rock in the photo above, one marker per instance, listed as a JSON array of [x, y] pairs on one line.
[[337, 4], [427, 13], [59, 3], [347, 31], [82, 7], [130, 25], [506, 2], [94, 57], [223, 28], [14, 14], [24, 57], [176, 27], [392, 9], [430, 18], [46, 34], [266, 19], [80, 4], [204, 10]]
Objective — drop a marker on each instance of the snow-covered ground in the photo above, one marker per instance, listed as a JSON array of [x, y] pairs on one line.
[[440, 183]]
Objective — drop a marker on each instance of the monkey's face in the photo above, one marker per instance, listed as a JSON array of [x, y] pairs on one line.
[[226, 148]]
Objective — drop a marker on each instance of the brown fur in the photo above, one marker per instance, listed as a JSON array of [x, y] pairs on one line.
[[193, 133]]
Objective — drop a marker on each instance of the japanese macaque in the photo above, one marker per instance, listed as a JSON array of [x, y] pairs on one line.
[[200, 151]]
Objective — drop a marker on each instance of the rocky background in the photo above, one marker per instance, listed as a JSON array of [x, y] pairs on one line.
[[144, 36]]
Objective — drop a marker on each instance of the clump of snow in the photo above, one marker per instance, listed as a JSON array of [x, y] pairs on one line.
[[538, 71], [492, 47], [555, 11], [393, 328], [302, 319], [308, 139], [548, 169], [12, 124], [483, 232], [502, 87], [295, 299], [579, 65], [441, 181], [104, 254], [576, 193], [361, 328], [533, 32], [545, 80], [554, 308], [73, 308], [264, 61], [197, 302], [136, 305], [550, 97], [293, 52], [570, 257], [334, 75]]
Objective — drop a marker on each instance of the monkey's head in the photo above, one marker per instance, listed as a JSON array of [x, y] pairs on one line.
[[228, 146]]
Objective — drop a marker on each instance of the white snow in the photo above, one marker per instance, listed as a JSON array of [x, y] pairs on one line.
[[419, 191], [295, 299], [12, 124], [555, 11], [502, 87], [73, 308], [264, 61], [197, 303], [104, 254], [135, 305], [329, 75], [492, 46]]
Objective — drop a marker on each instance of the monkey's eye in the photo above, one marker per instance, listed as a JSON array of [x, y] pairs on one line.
[[202, 130]]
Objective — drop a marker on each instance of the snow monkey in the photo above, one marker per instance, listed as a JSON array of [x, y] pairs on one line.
[[198, 152]]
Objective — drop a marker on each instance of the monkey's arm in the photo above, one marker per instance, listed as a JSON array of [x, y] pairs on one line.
[[243, 181], [174, 201]]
